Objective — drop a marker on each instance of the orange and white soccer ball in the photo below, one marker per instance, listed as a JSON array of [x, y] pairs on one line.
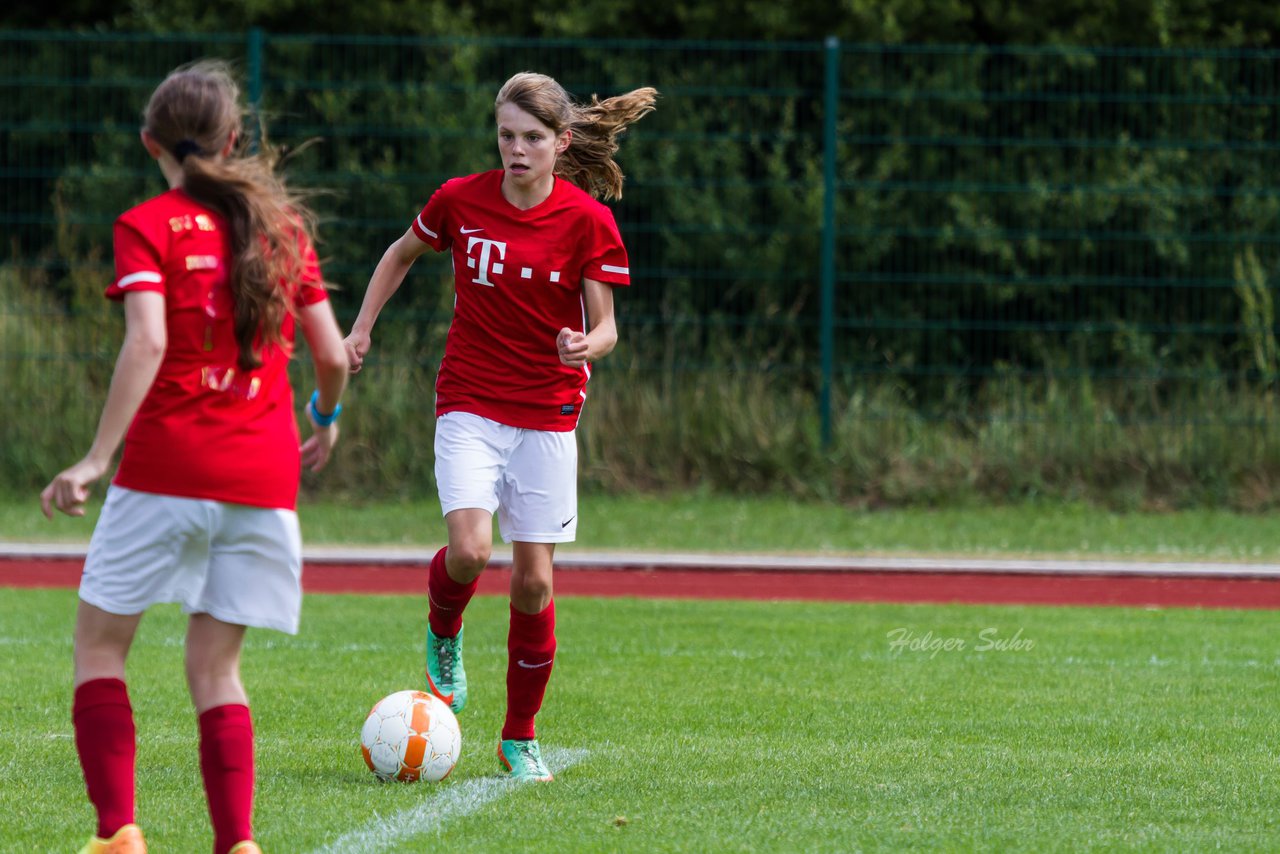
[[411, 735]]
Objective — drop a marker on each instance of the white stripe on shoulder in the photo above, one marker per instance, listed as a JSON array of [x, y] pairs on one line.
[[423, 226], [609, 268], [146, 276]]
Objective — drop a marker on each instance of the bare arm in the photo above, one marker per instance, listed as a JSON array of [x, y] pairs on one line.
[[386, 280], [145, 339], [329, 356], [577, 349]]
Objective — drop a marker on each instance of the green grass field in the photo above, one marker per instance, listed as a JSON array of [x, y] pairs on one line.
[[716, 726], [705, 726]]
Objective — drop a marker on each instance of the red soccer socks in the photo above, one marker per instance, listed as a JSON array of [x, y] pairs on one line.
[[105, 742], [448, 599], [226, 762], [531, 652]]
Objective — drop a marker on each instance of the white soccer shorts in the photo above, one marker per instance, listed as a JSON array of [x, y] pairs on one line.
[[530, 477], [241, 565]]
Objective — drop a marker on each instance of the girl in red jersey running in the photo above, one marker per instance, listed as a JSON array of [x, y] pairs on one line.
[[214, 275], [535, 260]]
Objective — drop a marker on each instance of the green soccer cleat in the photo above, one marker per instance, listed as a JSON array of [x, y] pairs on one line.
[[445, 676], [523, 759]]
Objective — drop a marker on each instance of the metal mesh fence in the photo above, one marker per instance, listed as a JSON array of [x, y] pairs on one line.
[[964, 224]]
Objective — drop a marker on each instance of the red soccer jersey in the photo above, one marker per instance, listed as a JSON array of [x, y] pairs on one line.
[[206, 429], [518, 281]]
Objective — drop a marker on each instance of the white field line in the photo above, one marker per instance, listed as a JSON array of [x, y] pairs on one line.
[[462, 799]]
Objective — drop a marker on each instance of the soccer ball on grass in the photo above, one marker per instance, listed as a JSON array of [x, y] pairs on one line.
[[410, 735]]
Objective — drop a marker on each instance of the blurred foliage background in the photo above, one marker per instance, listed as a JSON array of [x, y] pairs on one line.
[[966, 252]]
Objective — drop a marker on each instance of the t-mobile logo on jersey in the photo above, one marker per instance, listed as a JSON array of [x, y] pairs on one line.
[[486, 267], [488, 260]]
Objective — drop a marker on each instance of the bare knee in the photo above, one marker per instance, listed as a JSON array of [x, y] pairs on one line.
[[470, 543], [531, 576], [98, 663], [530, 591], [213, 663], [216, 686], [467, 559], [102, 642]]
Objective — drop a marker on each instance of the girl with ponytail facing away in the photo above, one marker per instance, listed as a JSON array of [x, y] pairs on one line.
[[216, 275]]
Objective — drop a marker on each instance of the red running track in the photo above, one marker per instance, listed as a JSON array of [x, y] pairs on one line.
[[825, 585]]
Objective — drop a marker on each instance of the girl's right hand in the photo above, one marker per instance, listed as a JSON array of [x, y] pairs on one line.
[[70, 490], [357, 344]]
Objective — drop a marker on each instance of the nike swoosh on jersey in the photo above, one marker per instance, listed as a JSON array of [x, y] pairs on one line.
[[469, 230], [527, 666]]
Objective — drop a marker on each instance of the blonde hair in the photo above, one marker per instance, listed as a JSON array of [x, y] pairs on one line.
[[588, 161], [194, 113]]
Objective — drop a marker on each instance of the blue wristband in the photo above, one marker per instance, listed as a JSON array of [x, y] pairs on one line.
[[316, 416]]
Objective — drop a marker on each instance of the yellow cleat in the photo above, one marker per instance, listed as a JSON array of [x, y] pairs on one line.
[[246, 847], [126, 840]]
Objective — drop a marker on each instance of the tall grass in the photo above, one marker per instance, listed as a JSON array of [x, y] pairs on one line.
[[1056, 440], [719, 428], [51, 385]]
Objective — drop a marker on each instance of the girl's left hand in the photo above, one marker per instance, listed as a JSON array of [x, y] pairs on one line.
[[572, 347], [316, 450]]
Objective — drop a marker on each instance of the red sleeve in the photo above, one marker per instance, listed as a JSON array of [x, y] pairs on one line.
[[430, 225], [607, 257], [311, 285], [138, 262]]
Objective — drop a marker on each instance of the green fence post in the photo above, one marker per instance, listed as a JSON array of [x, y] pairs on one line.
[[831, 104], [254, 49]]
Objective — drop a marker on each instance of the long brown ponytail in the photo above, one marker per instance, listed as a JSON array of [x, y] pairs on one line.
[[194, 114], [588, 161]]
